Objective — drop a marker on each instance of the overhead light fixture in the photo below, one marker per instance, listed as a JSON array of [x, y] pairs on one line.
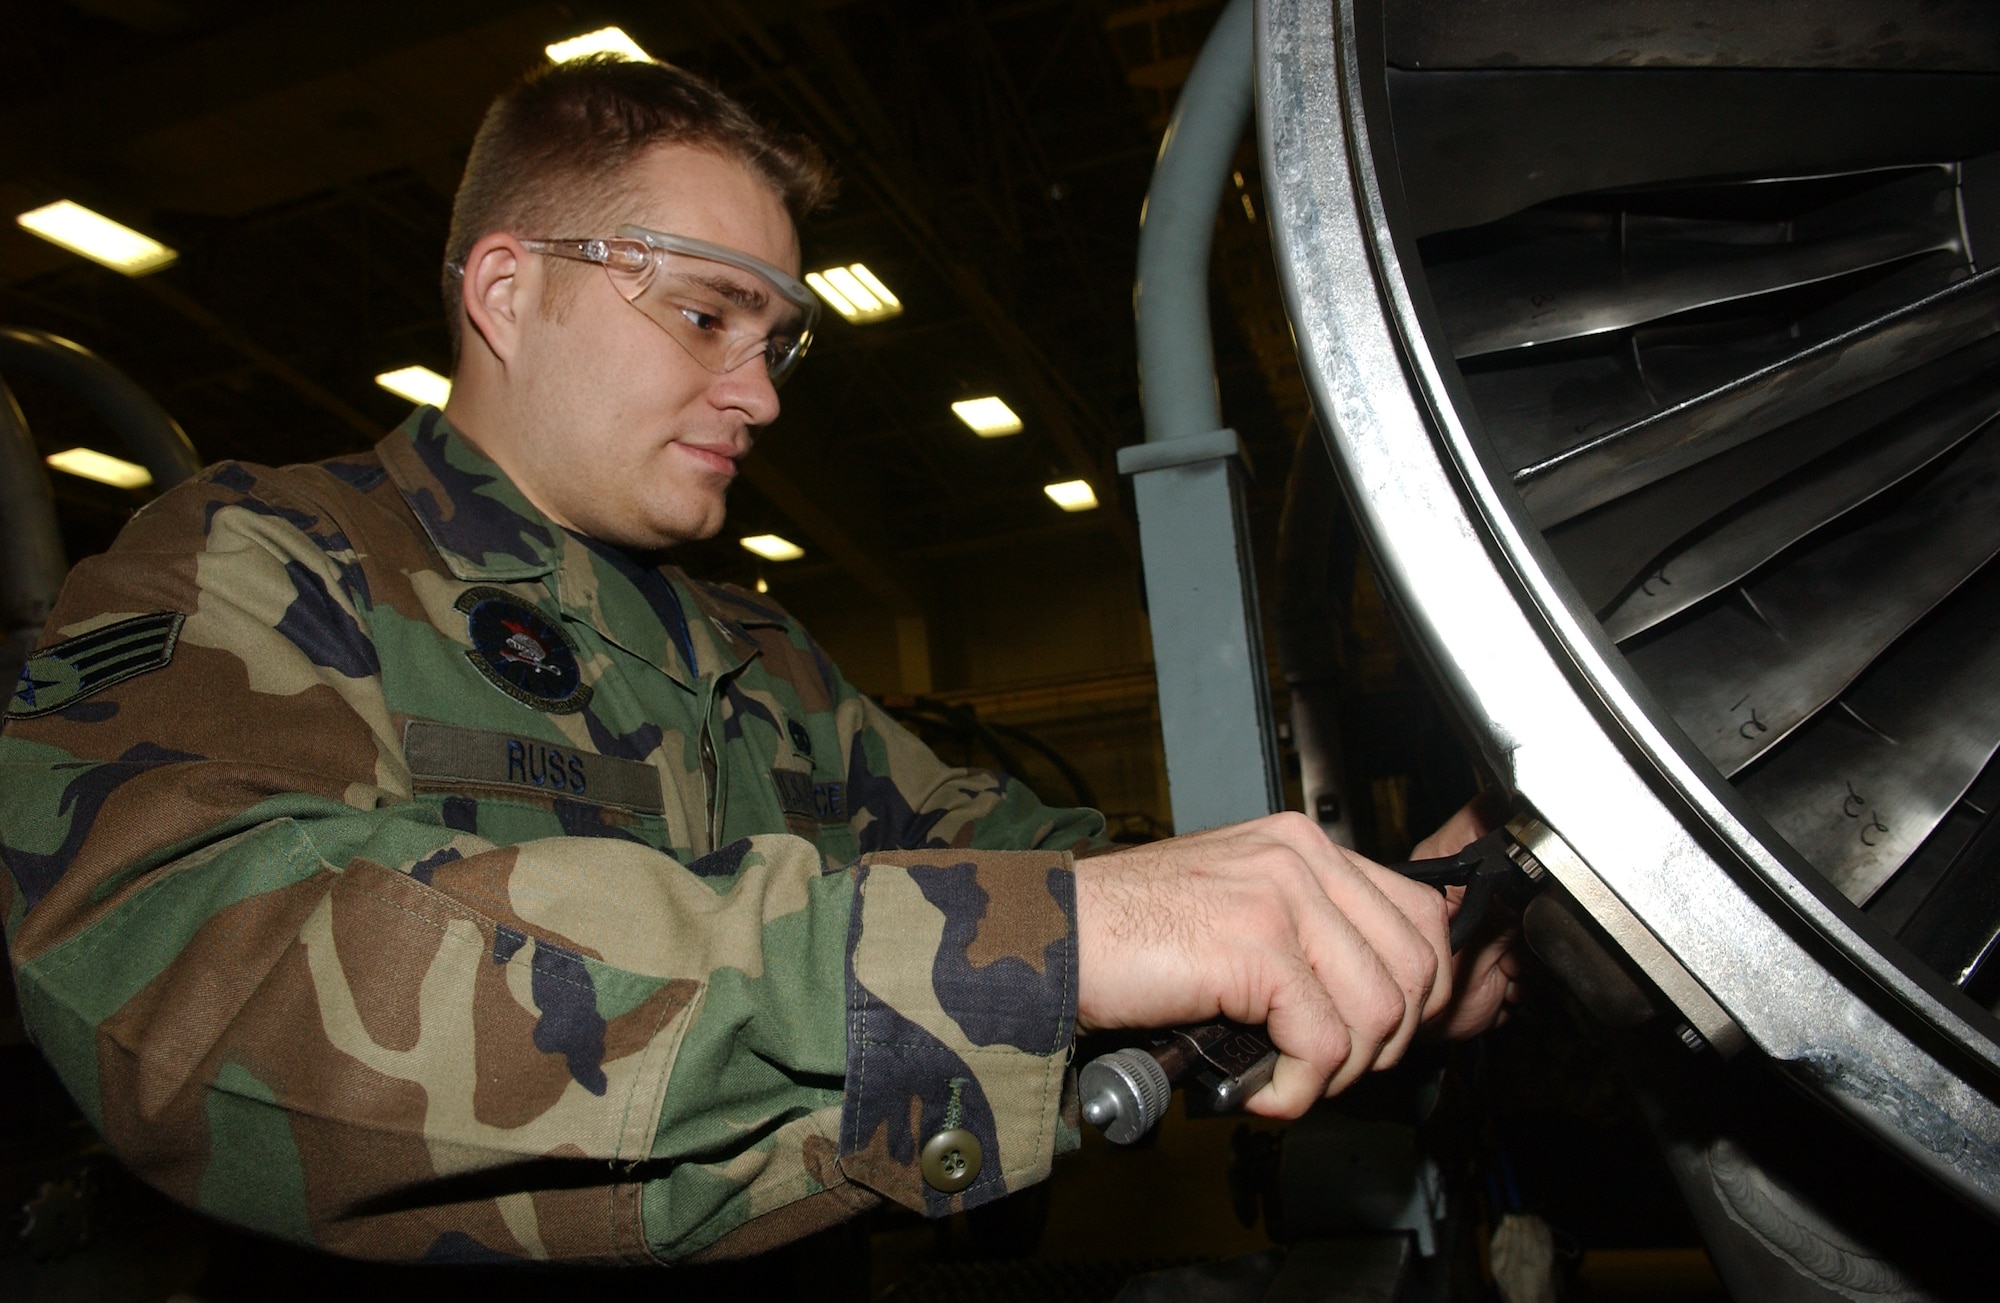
[[773, 548], [855, 293], [419, 384], [989, 417], [97, 238], [605, 40], [105, 469], [1071, 495]]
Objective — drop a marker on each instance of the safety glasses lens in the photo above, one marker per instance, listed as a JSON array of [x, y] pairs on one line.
[[722, 315]]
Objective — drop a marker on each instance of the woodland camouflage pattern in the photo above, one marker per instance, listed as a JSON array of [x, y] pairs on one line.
[[470, 1012]]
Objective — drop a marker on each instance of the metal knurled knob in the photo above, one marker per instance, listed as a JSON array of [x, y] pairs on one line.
[[1124, 1093]]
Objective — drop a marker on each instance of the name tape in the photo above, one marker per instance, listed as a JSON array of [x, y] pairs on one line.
[[453, 753]]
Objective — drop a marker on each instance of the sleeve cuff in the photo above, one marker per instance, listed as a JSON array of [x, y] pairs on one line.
[[961, 1011]]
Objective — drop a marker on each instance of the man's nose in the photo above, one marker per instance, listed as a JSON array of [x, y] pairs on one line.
[[747, 389]]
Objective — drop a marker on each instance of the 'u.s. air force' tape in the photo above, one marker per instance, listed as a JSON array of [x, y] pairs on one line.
[[73, 669], [453, 753], [799, 795]]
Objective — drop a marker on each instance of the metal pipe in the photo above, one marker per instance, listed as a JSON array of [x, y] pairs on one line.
[[1176, 228], [155, 440]]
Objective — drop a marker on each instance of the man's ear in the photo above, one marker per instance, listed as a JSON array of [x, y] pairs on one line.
[[497, 290]]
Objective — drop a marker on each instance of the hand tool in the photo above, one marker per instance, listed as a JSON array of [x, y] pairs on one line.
[[1125, 1092]]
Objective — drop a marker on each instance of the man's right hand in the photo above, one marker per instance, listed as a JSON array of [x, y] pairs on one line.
[[1266, 922]]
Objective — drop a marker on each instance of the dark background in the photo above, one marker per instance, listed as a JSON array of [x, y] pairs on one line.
[[301, 158]]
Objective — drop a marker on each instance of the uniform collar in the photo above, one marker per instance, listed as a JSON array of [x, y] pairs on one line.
[[485, 528], [480, 523], [719, 623], [726, 613], [591, 589]]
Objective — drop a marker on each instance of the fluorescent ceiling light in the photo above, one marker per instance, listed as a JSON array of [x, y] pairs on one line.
[[104, 469], [605, 40], [419, 384], [773, 548], [97, 238], [1071, 495], [989, 417], [834, 298], [855, 293]]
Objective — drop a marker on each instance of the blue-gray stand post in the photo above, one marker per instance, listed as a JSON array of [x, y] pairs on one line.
[[1201, 591]]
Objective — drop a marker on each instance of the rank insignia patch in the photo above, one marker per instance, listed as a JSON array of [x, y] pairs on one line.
[[522, 652], [71, 670]]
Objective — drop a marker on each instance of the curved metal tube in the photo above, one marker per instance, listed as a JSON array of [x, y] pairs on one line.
[[1177, 227], [155, 440], [1215, 708], [31, 551]]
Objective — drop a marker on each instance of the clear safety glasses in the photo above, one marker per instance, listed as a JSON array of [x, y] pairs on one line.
[[724, 307]]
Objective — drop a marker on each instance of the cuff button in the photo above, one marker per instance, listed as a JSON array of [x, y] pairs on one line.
[[951, 1160]]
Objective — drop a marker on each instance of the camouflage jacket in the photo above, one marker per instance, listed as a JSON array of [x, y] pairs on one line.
[[382, 877]]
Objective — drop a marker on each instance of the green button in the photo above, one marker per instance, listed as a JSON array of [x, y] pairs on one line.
[[951, 1160]]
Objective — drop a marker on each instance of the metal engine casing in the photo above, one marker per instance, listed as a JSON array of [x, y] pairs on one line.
[[1679, 865]]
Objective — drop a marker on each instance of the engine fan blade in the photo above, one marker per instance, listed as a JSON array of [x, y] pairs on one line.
[[1792, 510], [1743, 673], [1860, 787], [1570, 287], [1647, 451]]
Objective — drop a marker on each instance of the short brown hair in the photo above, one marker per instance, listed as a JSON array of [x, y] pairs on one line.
[[549, 156]]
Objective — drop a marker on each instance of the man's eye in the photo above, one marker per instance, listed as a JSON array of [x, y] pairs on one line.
[[702, 321]]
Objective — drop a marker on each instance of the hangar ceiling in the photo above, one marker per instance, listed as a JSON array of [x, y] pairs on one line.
[[301, 157]]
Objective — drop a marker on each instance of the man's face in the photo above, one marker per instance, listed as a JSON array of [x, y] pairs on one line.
[[629, 439]]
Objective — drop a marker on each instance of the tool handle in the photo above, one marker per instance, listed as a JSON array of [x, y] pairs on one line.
[[1126, 1092], [1471, 911], [1229, 1081]]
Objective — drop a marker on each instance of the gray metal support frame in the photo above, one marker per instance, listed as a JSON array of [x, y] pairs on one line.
[[31, 551], [155, 440], [1208, 647], [1208, 650]]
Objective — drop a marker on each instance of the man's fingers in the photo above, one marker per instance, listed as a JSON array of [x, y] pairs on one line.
[[1378, 1000], [1314, 1042], [1342, 959], [1477, 817], [1293, 1088], [1357, 912], [1487, 983], [1375, 999], [1338, 1015], [1425, 909], [1298, 1083]]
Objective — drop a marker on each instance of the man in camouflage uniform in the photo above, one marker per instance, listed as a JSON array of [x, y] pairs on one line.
[[402, 860]]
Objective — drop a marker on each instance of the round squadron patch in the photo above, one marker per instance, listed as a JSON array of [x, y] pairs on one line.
[[522, 652]]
